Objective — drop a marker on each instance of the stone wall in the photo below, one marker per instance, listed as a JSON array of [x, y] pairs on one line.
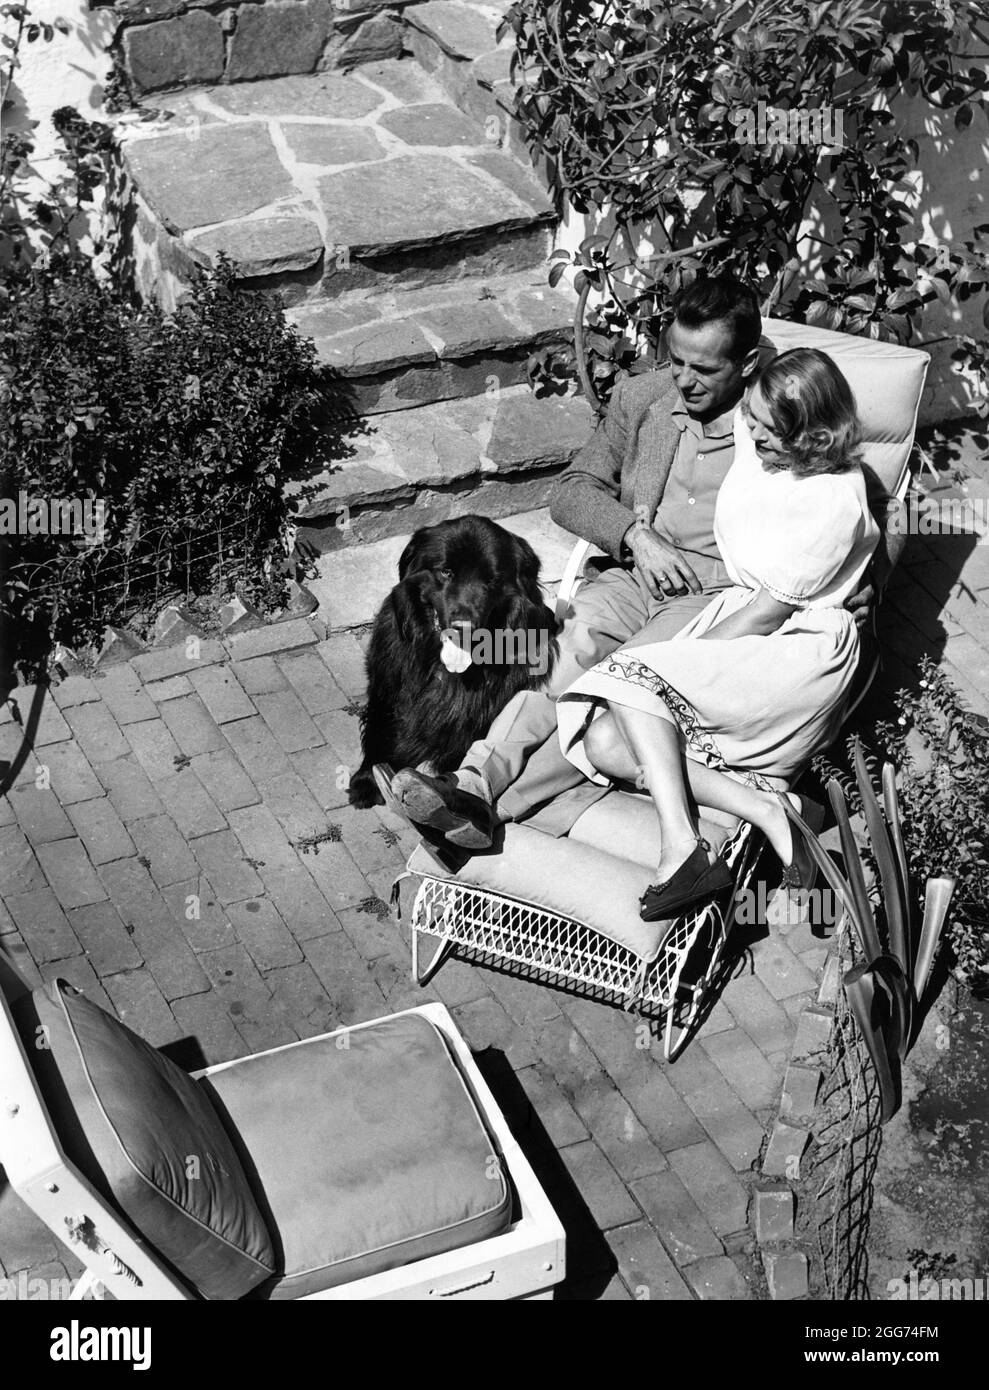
[[164, 44]]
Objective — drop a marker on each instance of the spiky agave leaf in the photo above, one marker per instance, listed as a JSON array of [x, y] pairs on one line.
[[889, 977], [937, 897], [865, 920], [825, 864], [891, 805], [868, 1006], [882, 848]]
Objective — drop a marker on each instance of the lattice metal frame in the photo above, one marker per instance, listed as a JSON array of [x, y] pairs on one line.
[[488, 928]]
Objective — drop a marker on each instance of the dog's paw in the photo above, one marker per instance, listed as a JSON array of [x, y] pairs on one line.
[[363, 792]]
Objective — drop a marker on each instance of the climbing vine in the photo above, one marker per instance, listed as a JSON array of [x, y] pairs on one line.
[[714, 131]]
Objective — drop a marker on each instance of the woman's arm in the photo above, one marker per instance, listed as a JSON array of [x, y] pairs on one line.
[[759, 618]]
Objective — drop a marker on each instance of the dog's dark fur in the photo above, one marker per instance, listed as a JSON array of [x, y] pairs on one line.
[[468, 570]]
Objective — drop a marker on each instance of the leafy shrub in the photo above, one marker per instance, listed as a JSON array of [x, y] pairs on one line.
[[942, 752], [185, 426], [644, 112]]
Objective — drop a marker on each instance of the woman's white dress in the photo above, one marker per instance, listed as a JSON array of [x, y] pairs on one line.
[[756, 703]]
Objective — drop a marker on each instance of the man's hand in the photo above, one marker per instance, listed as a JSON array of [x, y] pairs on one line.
[[860, 605], [661, 565]]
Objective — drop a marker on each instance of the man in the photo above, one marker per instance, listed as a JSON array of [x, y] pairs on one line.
[[643, 489]]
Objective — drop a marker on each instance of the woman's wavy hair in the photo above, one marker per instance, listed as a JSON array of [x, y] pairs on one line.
[[813, 412]]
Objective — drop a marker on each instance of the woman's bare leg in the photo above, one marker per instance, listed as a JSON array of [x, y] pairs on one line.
[[650, 752], [610, 752], [714, 788]]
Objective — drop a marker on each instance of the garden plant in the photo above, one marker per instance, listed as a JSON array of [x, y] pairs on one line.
[[703, 127], [183, 427], [941, 752]]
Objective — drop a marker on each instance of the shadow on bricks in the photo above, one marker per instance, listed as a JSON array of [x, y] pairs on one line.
[[591, 1265], [10, 769]]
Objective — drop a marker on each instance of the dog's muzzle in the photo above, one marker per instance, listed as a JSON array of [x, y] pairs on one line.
[[453, 654]]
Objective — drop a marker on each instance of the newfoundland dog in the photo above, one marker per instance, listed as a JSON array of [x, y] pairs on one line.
[[464, 629]]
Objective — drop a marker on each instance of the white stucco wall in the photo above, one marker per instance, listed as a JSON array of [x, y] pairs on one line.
[[952, 198], [68, 71]]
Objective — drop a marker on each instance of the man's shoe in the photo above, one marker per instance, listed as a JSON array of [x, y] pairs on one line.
[[463, 819], [430, 841]]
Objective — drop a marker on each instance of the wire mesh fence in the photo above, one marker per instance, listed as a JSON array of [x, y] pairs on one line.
[[87, 585]]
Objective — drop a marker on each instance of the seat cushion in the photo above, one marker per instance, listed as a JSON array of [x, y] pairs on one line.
[[140, 1129], [595, 875], [886, 379], [366, 1151]]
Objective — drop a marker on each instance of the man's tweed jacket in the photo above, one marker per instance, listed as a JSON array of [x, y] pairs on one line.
[[621, 471]]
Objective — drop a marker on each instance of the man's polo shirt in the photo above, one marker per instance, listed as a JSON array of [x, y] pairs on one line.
[[685, 515]]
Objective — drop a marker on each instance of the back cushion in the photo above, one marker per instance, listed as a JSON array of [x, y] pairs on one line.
[[887, 381], [146, 1137]]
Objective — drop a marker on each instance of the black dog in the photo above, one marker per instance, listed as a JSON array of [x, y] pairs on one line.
[[468, 596]]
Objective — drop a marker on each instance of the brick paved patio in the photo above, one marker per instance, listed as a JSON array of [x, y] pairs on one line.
[[188, 860]]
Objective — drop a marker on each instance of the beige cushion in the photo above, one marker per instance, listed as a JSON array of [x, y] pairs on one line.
[[366, 1152], [887, 380], [595, 875], [145, 1136]]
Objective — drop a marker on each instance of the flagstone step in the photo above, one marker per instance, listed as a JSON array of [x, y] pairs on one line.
[[458, 44], [316, 185], [495, 454], [404, 349], [352, 584]]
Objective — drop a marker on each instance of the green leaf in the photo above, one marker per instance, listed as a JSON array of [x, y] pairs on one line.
[[894, 890], [864, 921]]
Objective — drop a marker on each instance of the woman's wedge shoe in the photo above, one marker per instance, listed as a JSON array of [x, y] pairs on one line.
[[696, 881], [801, 872]]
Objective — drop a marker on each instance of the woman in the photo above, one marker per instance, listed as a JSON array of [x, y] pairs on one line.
[[756, 683]]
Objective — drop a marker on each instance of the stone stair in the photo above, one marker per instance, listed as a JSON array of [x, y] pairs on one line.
[[391, 208], [410, 347], [351, 585], [493, 455], [318, 185]]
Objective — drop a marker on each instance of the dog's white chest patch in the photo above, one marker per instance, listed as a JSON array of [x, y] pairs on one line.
[[453, 657]]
